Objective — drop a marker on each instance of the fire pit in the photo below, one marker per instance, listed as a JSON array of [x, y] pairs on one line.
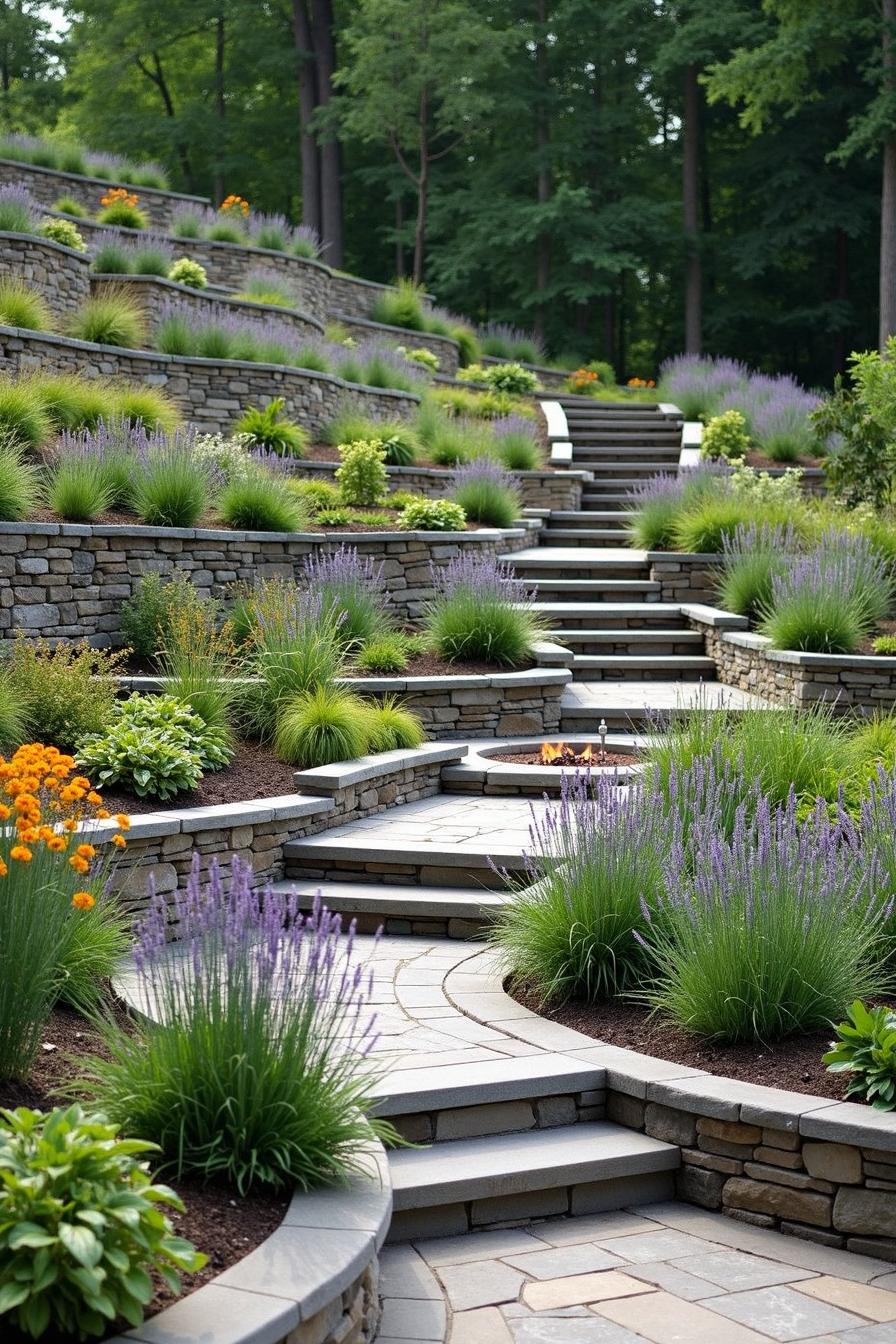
[[587, 757], [533, 768]]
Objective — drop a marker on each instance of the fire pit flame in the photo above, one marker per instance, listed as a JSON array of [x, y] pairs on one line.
[[561, 753]]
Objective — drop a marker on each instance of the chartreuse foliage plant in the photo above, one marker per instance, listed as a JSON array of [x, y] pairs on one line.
[[251, 1065], [19, 484], [726, 436], [155, 746], [65, 232], [267, 427], [148, 615], [51, 877], [321, 726], [187, 272], [82, 1226], [391, 727], [23, 307], [66, 690], [433, 515], [865, 1050], [110, 318], [361, 474]]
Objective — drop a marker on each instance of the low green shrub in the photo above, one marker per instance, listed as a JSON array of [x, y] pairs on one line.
[[865, 1049], [66, 691], [726, 437], [82, 1226], [391, 727], [19, 484], [112, 258], [262, 503], [400, 307], [147, 616], [65, 232], [320, 727], [67, 205], [316, 495], [702, 527], [382, 655], [481, 614], [427, 359], [361, 473], [512, 378], [267, 427], [433, 515], [155, 747], [121, 214], [79, 487], [184, 271], [110, 318], [885, 645], [23, 307], [333, 517]]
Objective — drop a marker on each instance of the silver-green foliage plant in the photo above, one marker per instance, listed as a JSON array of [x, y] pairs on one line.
[[185, 271], [726, 437], [65, 232], [361, 473], [82, 1226], [155, 746], [865, 1049]]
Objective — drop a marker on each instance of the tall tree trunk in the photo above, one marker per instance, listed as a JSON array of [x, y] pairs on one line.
[[156, 75], [693, 285], [305, 73], [888, 189], [399, 238], [422, 189], [329, 151], [543, 178], [220, 109]]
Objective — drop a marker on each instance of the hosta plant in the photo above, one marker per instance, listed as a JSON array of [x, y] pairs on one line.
[[433, 515], [155, 746], [82, 1226], [865, 1049]]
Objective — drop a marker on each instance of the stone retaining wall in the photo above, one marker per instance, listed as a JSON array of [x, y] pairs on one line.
[[799, 679], [164, 843], [778, 1171], [68, 580], [210, 393], [350, 296], [155, 295], [47, 184], [538, 489], [684, 577], [444, 348], [58, 273]]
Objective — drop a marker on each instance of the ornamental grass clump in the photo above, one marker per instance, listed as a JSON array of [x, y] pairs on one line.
[[772, 930], [294, 646], [110, 318], [594, 868], [267, 427], [753, 554], [253, 1063], [23, 307], [829, 599], [486, 492], [322, 726], [481, 613], [52, 877], [80, 485], [351, 587], [259, 502], [400, 307], [514, 441], [697, 384], [18, 210], [500, 340], [20, 488], [169, 489]]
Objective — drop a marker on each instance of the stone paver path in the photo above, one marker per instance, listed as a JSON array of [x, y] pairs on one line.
[[662, 1273], [482, 825], [657, 695]]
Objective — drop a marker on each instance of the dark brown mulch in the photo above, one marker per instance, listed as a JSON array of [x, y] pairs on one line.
[[794, 1064], [882, 628], [254, 772], [431, 665], [211, 522], [222, 1224], [534, 758], [763, 463]]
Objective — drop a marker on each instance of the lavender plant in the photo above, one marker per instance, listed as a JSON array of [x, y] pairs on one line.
[[351, 588], [753, 555], [771, 931], [253, 1063], [168, 487], [831, 597], [513, 439], [486, 491], [295, 646], [481, 612], [18, 210], [595, 867]]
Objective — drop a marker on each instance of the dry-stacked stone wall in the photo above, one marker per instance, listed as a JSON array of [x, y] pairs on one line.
[[538, 489], [68, 580], [46, 185], [58, 273], [156, 295], [847, 682], [444, 348], [210, 393], [350, 296], [684, 577]]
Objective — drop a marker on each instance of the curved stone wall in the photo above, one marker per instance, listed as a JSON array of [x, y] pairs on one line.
[[444, 348], [210, 393], [47, 184], [154, 294], [538, 489], [58, 273], [68, 580], [354, 297]]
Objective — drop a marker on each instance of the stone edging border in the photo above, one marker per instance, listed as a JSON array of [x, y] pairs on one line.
[[314, 1271]]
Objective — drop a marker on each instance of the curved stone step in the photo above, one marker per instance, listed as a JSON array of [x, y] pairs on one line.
[[640, 667], [447, 912]]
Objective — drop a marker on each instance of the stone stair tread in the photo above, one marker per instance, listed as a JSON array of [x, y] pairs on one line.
[[621, 661], [397, 900], [652, 635], [570, 556], [508, 1164], [659, 611], [586, 515], [354, 848], [577, 586], [440, 1086], [586, 533]]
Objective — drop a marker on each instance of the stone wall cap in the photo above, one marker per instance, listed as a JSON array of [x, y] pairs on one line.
[[44, 242], [715, 616], [344, 774], [268, 309], [848, 1122], [103, 181], [709, 556], [406, 333], [30, 529]]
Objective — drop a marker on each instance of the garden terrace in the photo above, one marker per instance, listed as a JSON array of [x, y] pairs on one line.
[[68, 580], [444, 348], [59, 274], [210, 393], [46, 185]]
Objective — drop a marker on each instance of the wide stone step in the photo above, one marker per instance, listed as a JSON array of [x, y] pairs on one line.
[[612, 466], [642, 667], [587, 518], [658, 643], [595, 589], [584, 617], [445, 912], [615, 420], [443, 1103], [582, 1168], [597, 450], [347, 859], [614, 562], [583, 536], [632, 706]]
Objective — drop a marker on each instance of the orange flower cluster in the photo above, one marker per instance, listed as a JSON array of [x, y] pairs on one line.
[[234, 205], [641, 382], [119, 196], [583, 380], [46, 804]]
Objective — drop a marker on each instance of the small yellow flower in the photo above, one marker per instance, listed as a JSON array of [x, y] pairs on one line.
[[86, 851], [56, 844], [80, 865], [3, 868]]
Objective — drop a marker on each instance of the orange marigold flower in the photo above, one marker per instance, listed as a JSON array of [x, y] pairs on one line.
[[5, 812], [29, 835], [81, 782], [56, 844], [80, 865], [83, 900], [21, 853], [25, 802], [103, 814], [3, 868], [123, 820], [86, 851], [119, 841], [94, 798], [69, 824]]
